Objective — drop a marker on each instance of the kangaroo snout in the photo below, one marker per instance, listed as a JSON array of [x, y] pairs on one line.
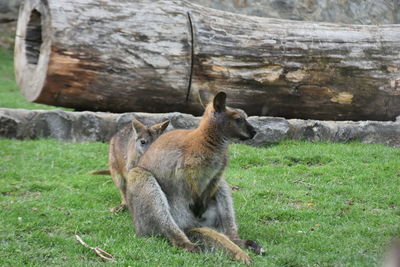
[[251, 130], [248, 132]]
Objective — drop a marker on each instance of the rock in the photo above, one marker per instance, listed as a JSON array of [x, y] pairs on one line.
[[91, 126], [177, 120], [54, 124], [370, 132], [269, 130], [8, 126], [101, 126]]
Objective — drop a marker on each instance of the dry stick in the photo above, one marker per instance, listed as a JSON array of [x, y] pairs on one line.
[[102, 254], [302, 182]]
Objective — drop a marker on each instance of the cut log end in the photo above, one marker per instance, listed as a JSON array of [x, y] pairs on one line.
[[32, 48]]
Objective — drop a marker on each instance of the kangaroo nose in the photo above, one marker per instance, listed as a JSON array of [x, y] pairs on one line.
[[253, 133]]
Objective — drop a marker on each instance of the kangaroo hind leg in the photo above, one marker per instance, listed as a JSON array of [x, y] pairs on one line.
[[149, 208], [120, 183], [211, 237]]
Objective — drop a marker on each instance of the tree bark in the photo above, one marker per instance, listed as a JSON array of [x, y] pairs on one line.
[[109, 55], [155, 56]]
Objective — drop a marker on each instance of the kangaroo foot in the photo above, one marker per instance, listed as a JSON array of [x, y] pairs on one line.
[[118, 208], [189, 246], [243, 257], [250, 244], [256, 248]]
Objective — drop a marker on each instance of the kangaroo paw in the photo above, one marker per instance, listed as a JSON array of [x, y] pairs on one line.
[[250, 244], [189, 246], [192, 248], [118, 208], [256, 248]]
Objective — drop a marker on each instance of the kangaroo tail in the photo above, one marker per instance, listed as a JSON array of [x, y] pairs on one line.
[[214, 238], [100, 172]]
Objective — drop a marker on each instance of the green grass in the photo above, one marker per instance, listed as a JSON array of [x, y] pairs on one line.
[[10, 95], [308, 204]]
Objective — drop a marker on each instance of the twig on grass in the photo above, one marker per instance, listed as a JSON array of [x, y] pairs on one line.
[[235, 187], [101, 253], [302, 182]]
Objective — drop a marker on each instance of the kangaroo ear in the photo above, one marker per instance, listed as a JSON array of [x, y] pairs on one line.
[[205, 97], [137, 125], [219, 102], [160, 127]]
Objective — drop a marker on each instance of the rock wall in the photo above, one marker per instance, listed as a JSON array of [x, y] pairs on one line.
[[98, 126]]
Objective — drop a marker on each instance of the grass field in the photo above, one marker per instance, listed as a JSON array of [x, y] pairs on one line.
[[307, 204]]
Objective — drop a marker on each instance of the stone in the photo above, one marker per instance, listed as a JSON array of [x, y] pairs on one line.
[[269, 130], [8, 126], [100, 127], [370, 132], [52, 124]]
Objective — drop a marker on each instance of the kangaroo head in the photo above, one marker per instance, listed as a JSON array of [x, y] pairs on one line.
[[145, 136], [231, 122]]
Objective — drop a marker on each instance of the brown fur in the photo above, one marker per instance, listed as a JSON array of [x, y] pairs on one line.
[[100, 172], [126, 148], [210, 236], [178, 185]]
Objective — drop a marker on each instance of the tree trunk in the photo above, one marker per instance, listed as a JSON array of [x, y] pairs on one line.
[[155, 56], [109, 55]]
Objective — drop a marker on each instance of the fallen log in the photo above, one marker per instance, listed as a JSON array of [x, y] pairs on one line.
[[155, 56]]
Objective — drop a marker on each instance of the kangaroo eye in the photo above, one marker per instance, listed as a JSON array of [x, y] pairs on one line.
[[238, 120], [143, 142]]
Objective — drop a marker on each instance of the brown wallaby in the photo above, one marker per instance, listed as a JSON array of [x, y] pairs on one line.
[[126, 148], [178, 189]]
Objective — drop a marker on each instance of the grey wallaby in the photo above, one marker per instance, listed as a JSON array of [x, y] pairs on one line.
[[178, 190]]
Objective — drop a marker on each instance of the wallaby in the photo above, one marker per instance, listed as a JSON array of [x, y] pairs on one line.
[[178, 189], [392, 258], [126, 148]]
